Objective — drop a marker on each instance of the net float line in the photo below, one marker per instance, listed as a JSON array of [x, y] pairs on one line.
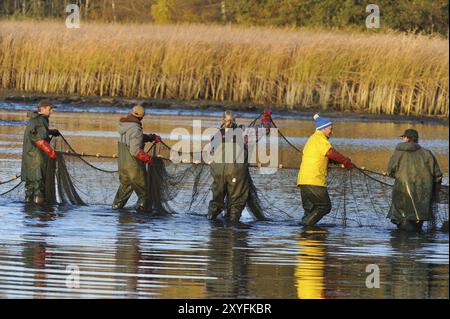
[[11, 180]]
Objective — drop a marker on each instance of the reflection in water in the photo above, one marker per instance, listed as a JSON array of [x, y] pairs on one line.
[[423, 280], [123, 254], [228, 262], [128, 254], [310, 269], [36, 253], [44, 213]]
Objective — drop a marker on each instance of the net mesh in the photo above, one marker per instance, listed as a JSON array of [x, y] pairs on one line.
[[360, 197]]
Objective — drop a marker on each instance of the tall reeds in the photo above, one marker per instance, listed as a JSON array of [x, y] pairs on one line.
[[297, 69]]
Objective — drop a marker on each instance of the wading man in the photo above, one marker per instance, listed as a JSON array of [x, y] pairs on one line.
[[313, 172], [229, 169], [132, 160], [417, 178], [37, 151]]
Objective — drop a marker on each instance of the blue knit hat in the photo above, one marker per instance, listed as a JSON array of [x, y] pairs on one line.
[[321, 122]]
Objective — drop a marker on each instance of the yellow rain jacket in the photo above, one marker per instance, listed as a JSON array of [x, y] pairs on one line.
[[314, 165]]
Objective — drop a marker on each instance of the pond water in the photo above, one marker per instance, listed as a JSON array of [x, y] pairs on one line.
[[133, 255]]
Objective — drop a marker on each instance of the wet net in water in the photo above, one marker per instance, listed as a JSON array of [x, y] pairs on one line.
[[360, 197]]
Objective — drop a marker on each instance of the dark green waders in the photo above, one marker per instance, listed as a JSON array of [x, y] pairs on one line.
[[44, 187], [231, 182], [34, 161], [316, 203], [132, 176], [34, 188]]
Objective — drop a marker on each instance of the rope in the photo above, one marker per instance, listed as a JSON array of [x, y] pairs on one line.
[[285, 138], [10, 180], [80, 156], [179, 152], [11, 189], [363, 171], [192, 153], [370, 197], [254, 121]]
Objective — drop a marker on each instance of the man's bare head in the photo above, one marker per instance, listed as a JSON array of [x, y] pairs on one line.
[[45, 108], [228, 119]]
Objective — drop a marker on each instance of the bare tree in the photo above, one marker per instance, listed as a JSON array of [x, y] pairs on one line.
[[113, 5]]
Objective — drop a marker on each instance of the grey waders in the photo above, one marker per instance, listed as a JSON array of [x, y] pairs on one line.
[[132, 176]]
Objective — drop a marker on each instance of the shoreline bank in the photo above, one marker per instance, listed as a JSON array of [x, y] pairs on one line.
[[9, 96]]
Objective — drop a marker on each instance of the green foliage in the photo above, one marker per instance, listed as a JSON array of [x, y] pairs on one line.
[[427, 16], [163, 11], [421, 16]]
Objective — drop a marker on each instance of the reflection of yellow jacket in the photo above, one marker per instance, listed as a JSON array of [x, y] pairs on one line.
[[309, 271], [313, 169]]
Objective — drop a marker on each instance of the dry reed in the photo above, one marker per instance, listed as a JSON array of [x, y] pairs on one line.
[[297, 69]]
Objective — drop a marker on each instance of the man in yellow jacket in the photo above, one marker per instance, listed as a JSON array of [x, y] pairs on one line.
[[313, 172]]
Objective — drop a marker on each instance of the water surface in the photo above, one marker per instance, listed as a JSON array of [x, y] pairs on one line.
[[133, 255]]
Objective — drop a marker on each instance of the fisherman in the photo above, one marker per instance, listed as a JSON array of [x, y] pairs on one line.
[[230, 171], [417, 179], [313, 172], [37, 151], [132, 160]]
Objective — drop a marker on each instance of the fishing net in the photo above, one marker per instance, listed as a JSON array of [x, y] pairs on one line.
[[360, 197]]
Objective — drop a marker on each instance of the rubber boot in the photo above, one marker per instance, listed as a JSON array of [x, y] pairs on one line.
[[38, 200], [141, 209], [214, 210], [235, 214], [410, 226], [29, 192], [444, 227], [311, 219], [212, 215], [123, 194], [141, 204]]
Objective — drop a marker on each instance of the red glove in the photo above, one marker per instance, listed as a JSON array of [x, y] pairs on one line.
[[151, 138], [46, 148], [144, 157], [338, 157], [266, 118]]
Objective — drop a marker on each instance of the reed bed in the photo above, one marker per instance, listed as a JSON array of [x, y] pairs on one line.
[[295, 69]]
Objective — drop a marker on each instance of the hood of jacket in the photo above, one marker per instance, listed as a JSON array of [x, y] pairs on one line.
[[129, 122], [408, 147], [124, 127], [34, 115], [131, 119]]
